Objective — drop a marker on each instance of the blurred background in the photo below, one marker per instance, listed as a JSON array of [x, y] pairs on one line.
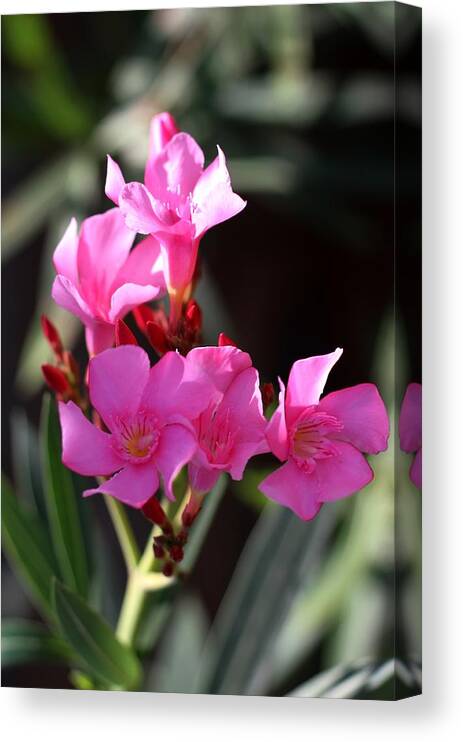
[[303, 101]]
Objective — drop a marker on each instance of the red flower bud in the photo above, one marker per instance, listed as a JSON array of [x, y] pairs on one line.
[[124, 335], [193, 316], [154, 512], [142, 315], [225, 340], [55, 379], [168, 569], [71, 364], [176, 553], [157, 338], [268, 394], [158, 551], [51, 335]]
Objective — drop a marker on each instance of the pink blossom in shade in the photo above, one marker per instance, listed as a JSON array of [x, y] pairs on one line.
[[410, 429], [100, 279], [147, 413], [180, 199], [322, 441], [232, 428]]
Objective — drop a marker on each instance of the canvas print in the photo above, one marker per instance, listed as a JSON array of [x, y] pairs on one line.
[[212, 351]]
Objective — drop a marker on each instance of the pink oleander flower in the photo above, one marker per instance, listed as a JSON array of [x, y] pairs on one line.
[[232, 428], [410, 429], [147, 413], [179, 201], [322, 441], [100, 279]]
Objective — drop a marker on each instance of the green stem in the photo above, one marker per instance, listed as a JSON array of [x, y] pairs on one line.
[[124, 532], [135, 594]]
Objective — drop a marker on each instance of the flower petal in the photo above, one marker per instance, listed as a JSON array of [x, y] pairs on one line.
[[99, 336], [138, 206], [162, 129], [277, 433], [67, 296], [104, 246], [179, 252], [175, 171], [243, 402], [410, 419], [343, 474], [133, 485], [86, 449], [213, 198], [143, 266], [175, 388], [363, 414], [306, 381], [221, 364], [65, 255], [293, 488], [117, 380], [129, 296], [202, 479], [176, 447], [114, 181]]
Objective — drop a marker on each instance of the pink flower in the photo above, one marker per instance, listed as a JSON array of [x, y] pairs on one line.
[[232, 428], [322, 441], [100, 279], [147, 413], [179, 201], [410, 429]]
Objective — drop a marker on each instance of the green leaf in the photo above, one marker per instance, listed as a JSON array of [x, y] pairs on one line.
[[61, 498], [26, 642], [363, 679], [99, 650], [26, 544], [281, 553], [176, 667], [26, 463]]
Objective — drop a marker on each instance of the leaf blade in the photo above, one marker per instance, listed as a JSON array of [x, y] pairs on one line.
[[94, 641], [26, 545], [61, 500]]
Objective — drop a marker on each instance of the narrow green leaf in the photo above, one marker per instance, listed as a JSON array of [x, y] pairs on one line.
[[26, 462], [61, 498], [281, 553], [101, 653], [352, 680], [26, 544], [175, 669], [26, 642]]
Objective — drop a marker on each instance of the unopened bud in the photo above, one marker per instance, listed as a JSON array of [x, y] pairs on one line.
[[51, 335], [176, 553], [168, 569], [158, 551], [154, 512], [193, 316], [225, 340], [123, 334], [142, 315], [55, 379], [72, 365], [157, 338], [268, 394]]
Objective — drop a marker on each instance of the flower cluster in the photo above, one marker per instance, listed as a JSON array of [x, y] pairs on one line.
[[197, 406]]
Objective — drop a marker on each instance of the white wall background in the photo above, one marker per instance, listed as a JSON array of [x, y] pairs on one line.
[[56, 715]]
